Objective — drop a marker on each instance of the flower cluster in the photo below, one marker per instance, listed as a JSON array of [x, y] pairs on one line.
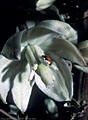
[[41, 54]]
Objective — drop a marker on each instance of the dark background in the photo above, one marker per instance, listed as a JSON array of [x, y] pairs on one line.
[[14, 12]]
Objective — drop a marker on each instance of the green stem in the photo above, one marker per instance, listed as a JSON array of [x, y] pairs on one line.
[[81, 87], [6, 114]]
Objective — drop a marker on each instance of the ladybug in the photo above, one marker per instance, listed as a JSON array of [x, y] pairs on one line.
[[47, 59]]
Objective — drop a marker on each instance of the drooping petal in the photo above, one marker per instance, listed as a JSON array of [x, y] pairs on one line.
[[65, 71], [14, 76], [46, 30], [83, 47], [84, 69], [4, 82], [52, 83], [38, 35], [22, 88], [65, 49], [44, 39], [12, 48], [62, 28]]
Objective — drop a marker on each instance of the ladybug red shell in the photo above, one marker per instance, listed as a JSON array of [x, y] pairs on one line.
[[48, 59]]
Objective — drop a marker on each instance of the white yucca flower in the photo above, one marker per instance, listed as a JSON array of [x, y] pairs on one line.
[[43, 4], [52, 38], [17, 76]]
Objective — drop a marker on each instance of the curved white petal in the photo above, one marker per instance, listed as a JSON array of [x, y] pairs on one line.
[[61, 28], [40, 35], [83, 47], [65, 49], [4, 81], [12, 48], [22, 89], [15, 75], [43, 4], [65, 71], [52, 83], [84, 69]]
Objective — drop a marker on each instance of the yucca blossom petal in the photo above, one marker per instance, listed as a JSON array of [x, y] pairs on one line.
[[15, 76], [43, 4], [40, 35], [52, 82], [4, 81], [22, 88]]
